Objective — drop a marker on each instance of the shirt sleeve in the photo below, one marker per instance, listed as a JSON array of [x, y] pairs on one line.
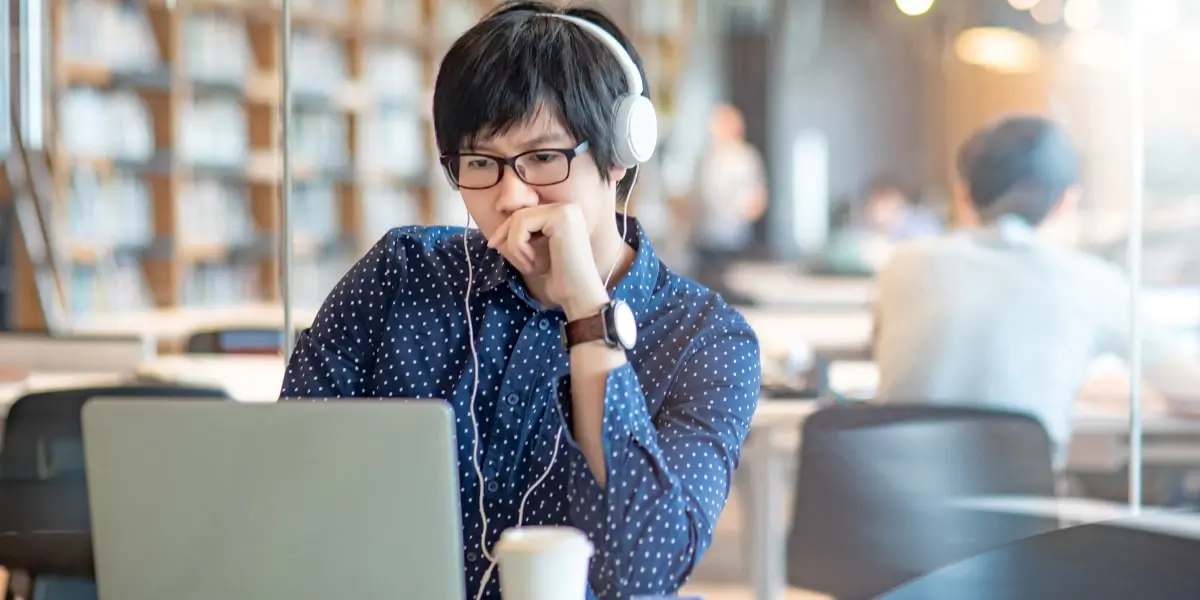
[[1169, 368], [667, 475], [331, 358]]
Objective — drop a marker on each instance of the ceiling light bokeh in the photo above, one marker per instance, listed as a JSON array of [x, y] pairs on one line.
[[1047, 12], [1022, 4], [1082, 15], [1096, 49], [914, 8], [1159, 15], [998, 49]]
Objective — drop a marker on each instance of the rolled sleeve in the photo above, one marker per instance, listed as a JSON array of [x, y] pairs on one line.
[[668, 474], [332, 358]]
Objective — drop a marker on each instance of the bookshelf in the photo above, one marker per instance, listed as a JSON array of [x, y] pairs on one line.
[[165, 154]]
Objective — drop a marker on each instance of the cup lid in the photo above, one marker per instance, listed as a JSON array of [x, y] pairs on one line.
[[543, 538]]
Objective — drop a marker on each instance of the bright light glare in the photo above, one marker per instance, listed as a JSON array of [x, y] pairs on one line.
[[1097, 49], [1159, 15], [1047, 11], [914, 8], [1081, 15], [1022, 4], [998, 49]]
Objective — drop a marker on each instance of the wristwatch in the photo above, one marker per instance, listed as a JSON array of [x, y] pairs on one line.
[[615, 325]]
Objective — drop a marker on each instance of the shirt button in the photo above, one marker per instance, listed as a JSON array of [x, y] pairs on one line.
[[492, 486], [512, 399], [544, 324], [472, 557]]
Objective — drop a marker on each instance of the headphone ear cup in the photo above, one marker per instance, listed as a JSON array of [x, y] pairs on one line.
[[635, 130]]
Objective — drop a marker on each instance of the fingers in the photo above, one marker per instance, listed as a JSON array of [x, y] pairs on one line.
[[512, 240]]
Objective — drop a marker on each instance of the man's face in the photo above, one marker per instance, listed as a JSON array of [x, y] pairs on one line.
[[582, 186], [885, 207]]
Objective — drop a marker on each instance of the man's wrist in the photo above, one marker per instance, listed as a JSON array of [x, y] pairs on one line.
[[585, 305]]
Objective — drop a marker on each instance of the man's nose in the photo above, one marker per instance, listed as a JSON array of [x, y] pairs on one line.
[[514, 194]]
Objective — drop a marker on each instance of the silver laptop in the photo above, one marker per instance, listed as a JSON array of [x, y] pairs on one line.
[[286, 501]]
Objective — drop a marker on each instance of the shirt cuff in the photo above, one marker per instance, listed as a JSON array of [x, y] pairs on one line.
[[627, 424]]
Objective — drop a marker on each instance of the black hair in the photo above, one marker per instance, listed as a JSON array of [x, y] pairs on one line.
[[1020, 166], [517, 62]]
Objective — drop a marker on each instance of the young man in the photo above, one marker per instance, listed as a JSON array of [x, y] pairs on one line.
[[995, 317], [631, 441]]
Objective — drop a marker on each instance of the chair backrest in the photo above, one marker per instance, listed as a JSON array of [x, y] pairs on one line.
[[239, 340], [43, 432], [871, 501], [1109, 560], [39, 352]]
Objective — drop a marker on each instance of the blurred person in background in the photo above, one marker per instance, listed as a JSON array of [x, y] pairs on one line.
[[728, 196], [995, 316], [862, 241]]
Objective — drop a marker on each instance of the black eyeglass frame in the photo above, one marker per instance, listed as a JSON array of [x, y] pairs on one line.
[[511, 163]]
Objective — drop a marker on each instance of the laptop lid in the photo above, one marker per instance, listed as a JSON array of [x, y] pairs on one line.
[[284, 501]]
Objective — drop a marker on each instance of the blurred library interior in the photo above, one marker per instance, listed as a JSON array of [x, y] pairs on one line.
[[162, 136], [143, 185]]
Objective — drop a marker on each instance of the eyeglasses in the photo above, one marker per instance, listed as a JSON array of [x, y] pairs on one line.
[[548, 166]]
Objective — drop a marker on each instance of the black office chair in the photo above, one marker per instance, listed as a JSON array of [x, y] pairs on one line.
[[1114, 560], [870, 502], [45, 525]]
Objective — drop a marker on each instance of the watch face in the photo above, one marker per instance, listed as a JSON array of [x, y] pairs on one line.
[[624, 324]]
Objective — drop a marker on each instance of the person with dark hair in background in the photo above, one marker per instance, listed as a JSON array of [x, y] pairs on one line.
[[593, 386], [994, 316], [862, 241]]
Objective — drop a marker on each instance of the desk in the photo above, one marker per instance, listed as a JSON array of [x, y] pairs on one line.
[[253, 378], [818, 331], [1113, 556], [172, 326], [783, 285]]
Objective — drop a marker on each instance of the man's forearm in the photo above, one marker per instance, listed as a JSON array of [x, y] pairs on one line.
[[591, 363]]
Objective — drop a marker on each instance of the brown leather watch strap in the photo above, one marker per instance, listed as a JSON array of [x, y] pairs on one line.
[[587, 329]]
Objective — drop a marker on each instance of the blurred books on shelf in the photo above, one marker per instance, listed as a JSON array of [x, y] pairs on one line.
[[213, 132], [234, 63], [167, 161], [384, 208], [103, 124], [214, 213], [115, 34]]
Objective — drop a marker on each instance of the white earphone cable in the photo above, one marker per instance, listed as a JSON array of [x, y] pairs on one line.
[[487, 575]]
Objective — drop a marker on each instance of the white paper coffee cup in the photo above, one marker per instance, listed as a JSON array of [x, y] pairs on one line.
[[543, 563]]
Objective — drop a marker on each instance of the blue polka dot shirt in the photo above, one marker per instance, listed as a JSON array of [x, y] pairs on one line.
[[675, 415]]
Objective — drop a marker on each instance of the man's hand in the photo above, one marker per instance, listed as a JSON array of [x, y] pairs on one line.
[[551, 240]]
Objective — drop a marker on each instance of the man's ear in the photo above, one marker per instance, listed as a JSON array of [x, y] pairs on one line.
[[617, 173], [1067, 203]]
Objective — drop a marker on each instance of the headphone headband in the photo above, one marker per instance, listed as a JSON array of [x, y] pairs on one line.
[[635, 125], [633, 78]]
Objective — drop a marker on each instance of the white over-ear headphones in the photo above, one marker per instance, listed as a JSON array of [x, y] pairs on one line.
[[635, 124]]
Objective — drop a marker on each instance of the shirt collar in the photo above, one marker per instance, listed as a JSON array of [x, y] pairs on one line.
[[636, 288], [1007, 230]]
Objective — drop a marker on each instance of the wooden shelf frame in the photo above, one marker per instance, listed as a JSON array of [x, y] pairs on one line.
[[166, 92]]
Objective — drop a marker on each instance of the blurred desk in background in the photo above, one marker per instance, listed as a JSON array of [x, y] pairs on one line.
[[246, 378], [818, 331], [169, 328], [782, 286]]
